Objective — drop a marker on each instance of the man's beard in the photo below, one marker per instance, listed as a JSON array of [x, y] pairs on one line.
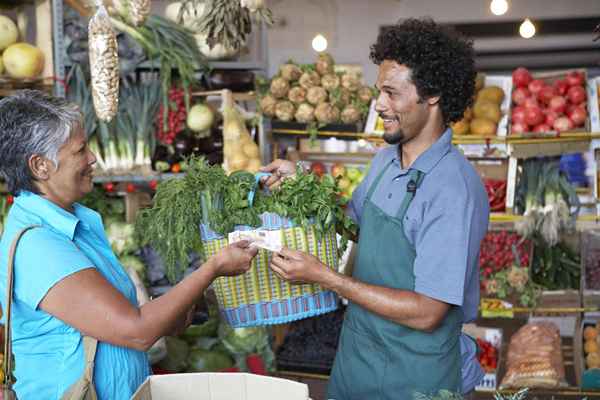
[[396, 137]]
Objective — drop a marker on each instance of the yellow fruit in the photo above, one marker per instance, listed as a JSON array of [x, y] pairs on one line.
[[482, 127], [9, 32], [468, 115], [593, 360], [460, 127], [23, 60], [590, 346], [488, 110], [494, 94], [590, 333]]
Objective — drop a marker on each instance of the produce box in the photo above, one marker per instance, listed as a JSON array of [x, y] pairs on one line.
[[593, 86], [539, 94], [587, 354], [298, 126], [491, 365], [219, 386], [590, 265]]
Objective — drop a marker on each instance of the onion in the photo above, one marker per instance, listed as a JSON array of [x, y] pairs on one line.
[[8, 32]]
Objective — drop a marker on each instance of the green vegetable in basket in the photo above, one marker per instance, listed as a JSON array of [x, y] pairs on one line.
[[200, 360]]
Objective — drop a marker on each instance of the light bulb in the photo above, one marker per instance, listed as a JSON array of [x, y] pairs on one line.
[[499, 7], [527, 29], [319, 43]]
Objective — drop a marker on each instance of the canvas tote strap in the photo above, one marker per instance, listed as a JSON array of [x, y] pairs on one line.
[[83, 388]]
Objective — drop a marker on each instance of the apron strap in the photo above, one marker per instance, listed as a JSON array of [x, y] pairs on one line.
[[377, 180], [416, 178]]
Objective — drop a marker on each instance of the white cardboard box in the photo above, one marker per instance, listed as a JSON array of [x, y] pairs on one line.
[[219, 386]]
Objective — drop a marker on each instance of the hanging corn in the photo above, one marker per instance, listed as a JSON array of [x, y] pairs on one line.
[[104, 64], [133, 11]]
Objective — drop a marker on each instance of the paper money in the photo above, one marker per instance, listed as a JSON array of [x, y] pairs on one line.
[[268, 240]]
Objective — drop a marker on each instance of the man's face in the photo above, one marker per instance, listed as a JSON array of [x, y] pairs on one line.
[[398, 104]]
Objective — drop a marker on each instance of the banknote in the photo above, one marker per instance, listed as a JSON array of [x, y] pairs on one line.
[[268, 240]]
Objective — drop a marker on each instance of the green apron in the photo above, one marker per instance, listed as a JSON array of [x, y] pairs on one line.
[[378, 359]]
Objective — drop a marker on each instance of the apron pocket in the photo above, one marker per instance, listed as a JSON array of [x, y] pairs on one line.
[[359, 368]]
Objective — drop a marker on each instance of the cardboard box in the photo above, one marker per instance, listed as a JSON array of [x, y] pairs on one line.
[[491, 380], [219, 386], [593, 105], [587, 378]]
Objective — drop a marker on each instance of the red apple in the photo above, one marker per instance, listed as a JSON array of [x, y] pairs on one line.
[[519, 127], [551, 116], [338, 170], [534, 116], [558, 104], [531, 102], [576, 94], [542, 128], [521, 77], [561, 86], [535, 86], [519, 95], [578, 115], [318, 168], [563, 124], [575, 78], [546, 94], [518, 114]]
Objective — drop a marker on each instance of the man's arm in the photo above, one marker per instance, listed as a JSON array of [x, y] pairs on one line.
[[404, 307]]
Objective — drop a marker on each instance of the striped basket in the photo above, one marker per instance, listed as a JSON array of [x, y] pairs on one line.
[[260, 297]]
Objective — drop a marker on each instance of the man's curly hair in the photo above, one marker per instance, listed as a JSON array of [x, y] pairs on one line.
[[441, 61]]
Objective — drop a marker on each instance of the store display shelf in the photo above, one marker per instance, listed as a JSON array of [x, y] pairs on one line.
[[322, 134], [135, 178], [237, 96], [229, 65], [358, 157]]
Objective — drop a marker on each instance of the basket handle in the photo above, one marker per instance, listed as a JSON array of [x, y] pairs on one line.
[[257, 179]]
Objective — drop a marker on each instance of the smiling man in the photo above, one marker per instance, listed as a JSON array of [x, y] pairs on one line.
[[422, 212]]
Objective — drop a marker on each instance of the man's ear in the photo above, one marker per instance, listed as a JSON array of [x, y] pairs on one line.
[[39, 167], [433, 100]]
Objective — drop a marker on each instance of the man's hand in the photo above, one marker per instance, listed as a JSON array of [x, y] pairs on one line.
[[297, 267], [280, 169]]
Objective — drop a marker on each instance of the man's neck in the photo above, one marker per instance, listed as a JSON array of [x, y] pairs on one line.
[[411, 150]]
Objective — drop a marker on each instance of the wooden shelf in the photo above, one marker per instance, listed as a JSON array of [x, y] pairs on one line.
[[136, 178]]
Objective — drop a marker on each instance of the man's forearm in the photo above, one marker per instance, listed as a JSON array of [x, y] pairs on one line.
[[403, 307]]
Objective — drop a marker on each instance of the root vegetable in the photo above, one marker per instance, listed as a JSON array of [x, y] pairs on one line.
[[330, 82], [316, 95], [279, 88], [350, 115], [340, 97], [310, 79], [267, 105], [305, 113], [290, 72], [284, 110], [325, 64], [365, 94], [327, 113], [297, 95], [351, 82]]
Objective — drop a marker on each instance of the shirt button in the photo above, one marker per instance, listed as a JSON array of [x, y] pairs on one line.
[[389, 195]]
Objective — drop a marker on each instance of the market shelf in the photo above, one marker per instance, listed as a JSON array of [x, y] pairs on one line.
[[324, 134], [327, 157], [136, 178]]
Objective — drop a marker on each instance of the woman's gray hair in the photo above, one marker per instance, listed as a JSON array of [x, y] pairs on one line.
[[32, 122]]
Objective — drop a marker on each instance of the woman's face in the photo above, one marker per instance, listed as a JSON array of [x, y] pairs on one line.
[[72, 180]]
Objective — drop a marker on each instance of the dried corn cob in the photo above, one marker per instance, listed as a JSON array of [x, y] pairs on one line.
[[104, 65], [133, 11]]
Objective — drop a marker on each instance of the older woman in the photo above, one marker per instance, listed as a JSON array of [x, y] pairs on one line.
[[68, 282]]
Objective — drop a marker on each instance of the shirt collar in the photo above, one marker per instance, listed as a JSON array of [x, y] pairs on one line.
[[49, 213], [430, 157]]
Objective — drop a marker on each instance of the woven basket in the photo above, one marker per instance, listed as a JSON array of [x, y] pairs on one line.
[[260, 297]]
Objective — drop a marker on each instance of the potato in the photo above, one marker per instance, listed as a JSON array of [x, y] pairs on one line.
[[488, 110], [494, 94], [483, 127], [460, 127]]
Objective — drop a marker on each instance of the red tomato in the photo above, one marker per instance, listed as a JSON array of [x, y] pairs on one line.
[[535, 86], [546, 94], [519, 95], [558, 104], [561, 86], [576, 94], [575, 78], [534, 116], [521, 77], [563, 124], [153, 184], [130, 188], [578, 115], [531, 102], [518, 114], [519, 127], [542, 128], [551, 116], [10, 199], [109, 187]]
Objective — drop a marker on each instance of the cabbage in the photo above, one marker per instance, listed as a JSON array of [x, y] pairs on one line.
[[200, 118], [121, 237], [241, 342], [177, 352], [200, 360]]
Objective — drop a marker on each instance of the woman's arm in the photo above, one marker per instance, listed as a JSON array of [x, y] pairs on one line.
[[89, 303]]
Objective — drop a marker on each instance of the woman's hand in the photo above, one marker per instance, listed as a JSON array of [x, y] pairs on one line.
[[280, 169], [234, 259]]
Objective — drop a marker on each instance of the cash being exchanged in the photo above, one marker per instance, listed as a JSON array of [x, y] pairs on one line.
[[268, 240]]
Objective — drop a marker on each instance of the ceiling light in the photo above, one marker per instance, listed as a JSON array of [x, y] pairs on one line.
[[319, 43], [527, 29], [499, 7]]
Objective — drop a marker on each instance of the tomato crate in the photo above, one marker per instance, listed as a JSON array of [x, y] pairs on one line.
[[489, 353]]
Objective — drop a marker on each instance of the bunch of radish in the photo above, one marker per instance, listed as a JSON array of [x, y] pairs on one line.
[[541, 106]]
